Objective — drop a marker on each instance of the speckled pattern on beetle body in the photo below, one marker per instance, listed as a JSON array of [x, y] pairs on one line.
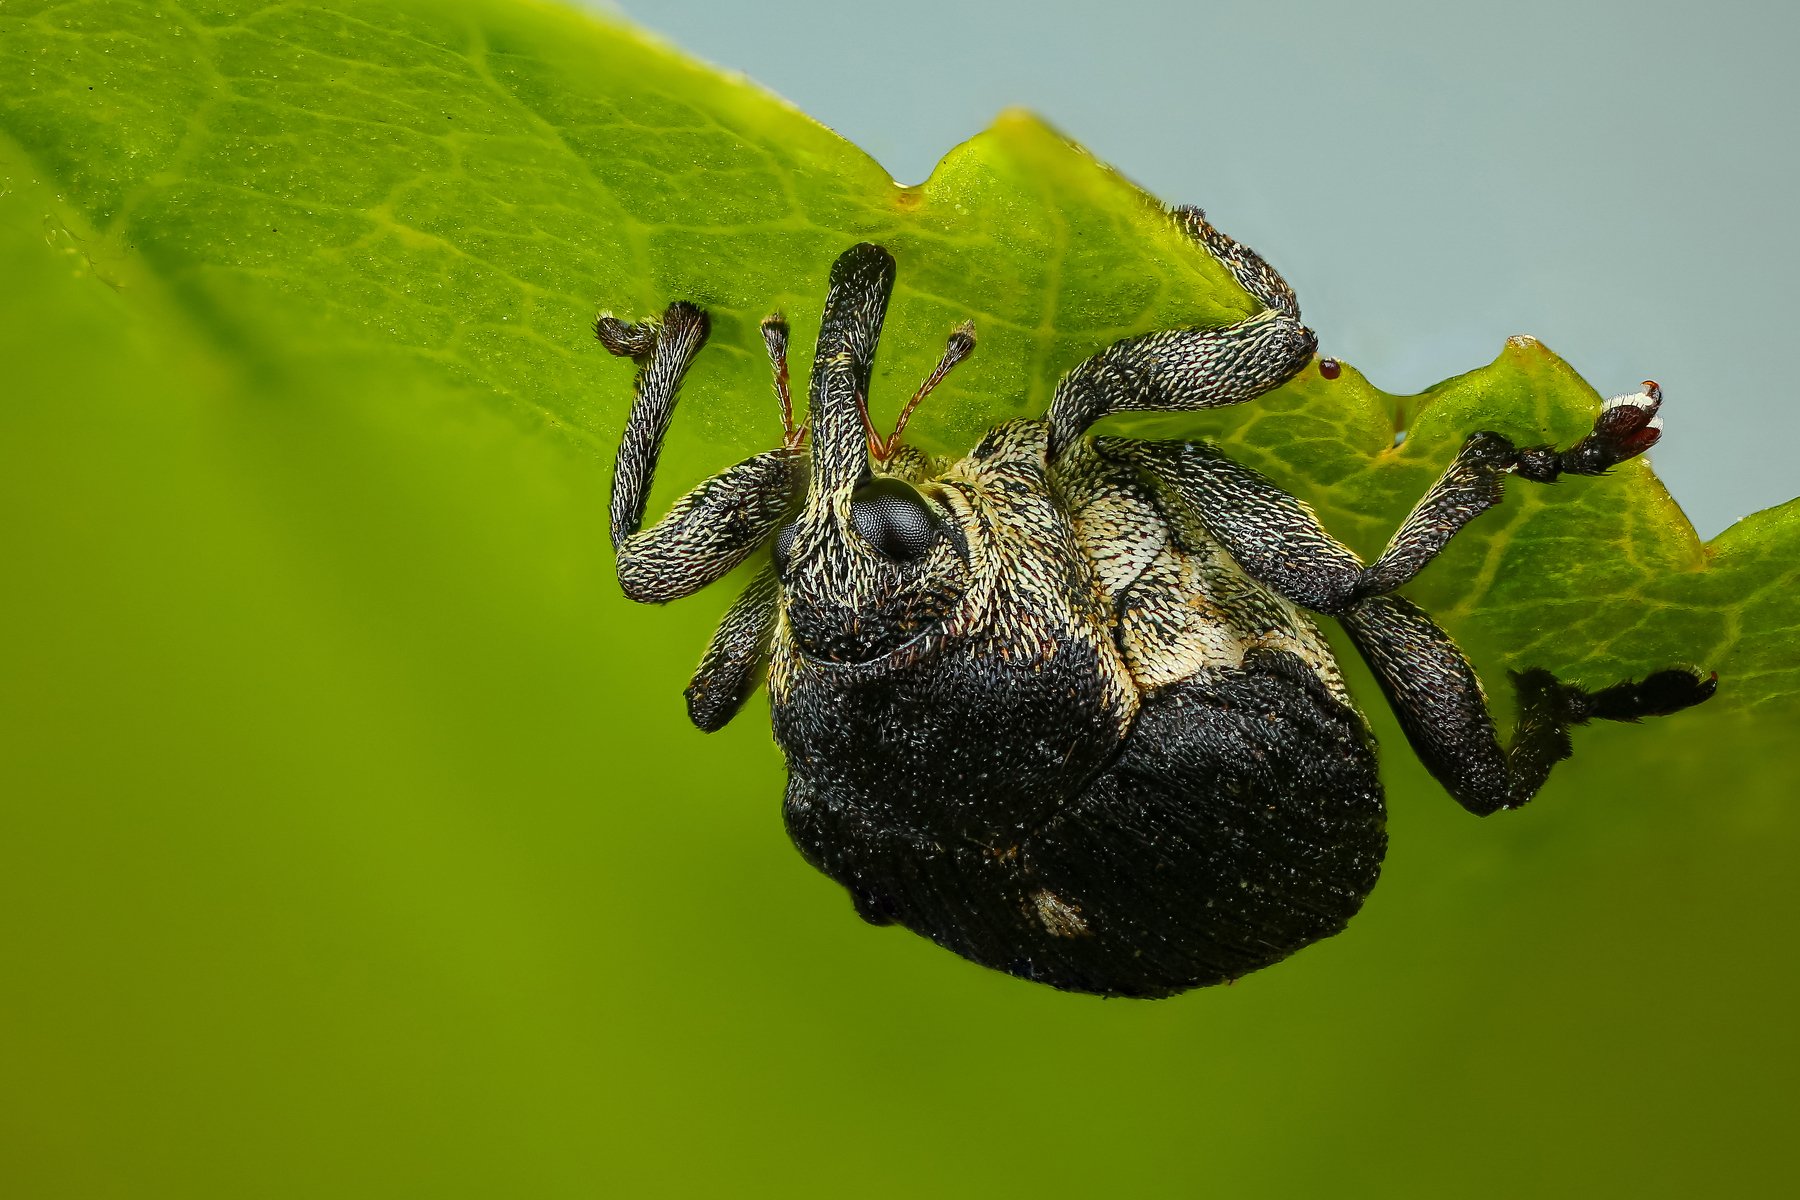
[[1060, 706]]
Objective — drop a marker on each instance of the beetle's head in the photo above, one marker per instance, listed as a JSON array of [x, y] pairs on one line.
[[872, 564]]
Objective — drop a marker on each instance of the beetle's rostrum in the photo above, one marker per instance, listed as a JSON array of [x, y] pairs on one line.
[[1061, 706]]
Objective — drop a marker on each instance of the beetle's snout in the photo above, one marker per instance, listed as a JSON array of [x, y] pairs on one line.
[[862, 278]]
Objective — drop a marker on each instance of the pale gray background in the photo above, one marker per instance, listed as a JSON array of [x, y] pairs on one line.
[[1616, 178]]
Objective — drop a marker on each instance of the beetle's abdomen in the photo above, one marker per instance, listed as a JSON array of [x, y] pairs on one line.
[[1241, 821]]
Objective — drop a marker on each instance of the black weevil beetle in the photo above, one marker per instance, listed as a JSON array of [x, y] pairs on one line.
[[1057, 706]]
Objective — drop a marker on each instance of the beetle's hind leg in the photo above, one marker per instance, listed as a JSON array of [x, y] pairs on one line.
[[718, 524], [1626, 427], [1439, 702], [1434, 691]]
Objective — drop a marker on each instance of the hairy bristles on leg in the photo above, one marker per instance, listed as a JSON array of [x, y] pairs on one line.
[[1623, 416], [1650, 397], [775, 341], [959, 347], [1640, 408]]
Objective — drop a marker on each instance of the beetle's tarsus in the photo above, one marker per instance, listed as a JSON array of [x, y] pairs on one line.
[[627, 339], [1548, 707], [1657, 695]]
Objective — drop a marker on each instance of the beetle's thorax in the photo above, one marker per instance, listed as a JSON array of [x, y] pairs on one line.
[[965, 695]]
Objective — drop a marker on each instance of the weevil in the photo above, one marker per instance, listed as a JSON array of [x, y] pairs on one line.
[[1061, 706]]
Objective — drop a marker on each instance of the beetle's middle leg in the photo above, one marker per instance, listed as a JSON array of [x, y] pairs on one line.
[[718, 524], [733, 664]]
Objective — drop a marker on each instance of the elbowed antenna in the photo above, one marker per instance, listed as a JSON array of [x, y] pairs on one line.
[[960, 346], [861, 280]]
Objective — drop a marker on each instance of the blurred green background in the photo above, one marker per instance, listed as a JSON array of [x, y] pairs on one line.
[[352, 841]]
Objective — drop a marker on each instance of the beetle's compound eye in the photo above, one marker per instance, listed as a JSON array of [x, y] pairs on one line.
[[784, 544], [892, 517]]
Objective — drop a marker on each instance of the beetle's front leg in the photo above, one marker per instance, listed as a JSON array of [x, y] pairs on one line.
[[721, 522]]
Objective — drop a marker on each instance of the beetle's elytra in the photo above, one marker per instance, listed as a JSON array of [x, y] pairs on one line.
[[1060, 706]]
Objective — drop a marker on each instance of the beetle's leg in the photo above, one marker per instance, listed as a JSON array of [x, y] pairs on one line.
[[732, 666], [1433, 689], [663, 351], [1274, 537], [1250, 269], [722, 521], [1439, 702], [960, 345], [1187, 369]]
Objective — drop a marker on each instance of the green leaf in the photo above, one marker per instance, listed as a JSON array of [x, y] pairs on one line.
[[355, 842]]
